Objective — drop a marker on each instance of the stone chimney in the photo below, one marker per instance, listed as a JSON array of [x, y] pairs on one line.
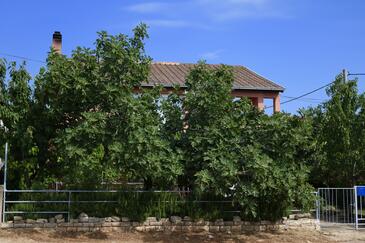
[[57, 42]]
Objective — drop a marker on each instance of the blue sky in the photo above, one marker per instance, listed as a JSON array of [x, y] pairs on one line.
[[298, 44]]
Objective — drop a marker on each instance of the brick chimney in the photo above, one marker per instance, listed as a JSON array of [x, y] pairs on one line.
[[57, 42]]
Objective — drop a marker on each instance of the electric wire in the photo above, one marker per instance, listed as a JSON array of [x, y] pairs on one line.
[[21, 57], [303, 95]]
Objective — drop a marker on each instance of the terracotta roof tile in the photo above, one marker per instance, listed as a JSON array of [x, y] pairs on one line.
[[170, 74]]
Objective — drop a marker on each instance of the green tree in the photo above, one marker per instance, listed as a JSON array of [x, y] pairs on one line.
[[338, 127], [230, 149], [97, 129]]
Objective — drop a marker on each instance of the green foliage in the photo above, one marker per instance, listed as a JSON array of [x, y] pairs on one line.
[[234, 151], [85, 125], [338, 130]]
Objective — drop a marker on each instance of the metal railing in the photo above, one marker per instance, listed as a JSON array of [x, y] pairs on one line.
[[336, 205], [66, 198]]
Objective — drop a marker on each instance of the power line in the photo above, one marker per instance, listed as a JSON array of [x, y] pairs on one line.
[[20, 57], [304, 99], [345, 74], [303, 95]]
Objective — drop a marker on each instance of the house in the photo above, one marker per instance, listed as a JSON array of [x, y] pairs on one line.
[[246, 82]]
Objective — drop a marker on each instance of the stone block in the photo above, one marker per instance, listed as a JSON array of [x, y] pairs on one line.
[[155, 223], [125, 219], [228, 223], [19, 225], [202, 228], [173, 228], [41, 221], [213, 229], [17, 218], [237, 223], [106, 229], [302, 215], [52, 220], [200, 222], [188, 223], [226, 229], [88, 224], [118, 229], [115, 224], [64, 224], [236, 229], [58, 216], [165, 221], [94, 220], [6, 225], [71, 229], [140, 228], [83, 218], [175, 219], [219, 222], [153, 228], [248, 228], [265, 222], [185, 228], [273, 227], [108, 219], [50, 225], [134, 223], [125, 224], [106, 224], [260, 228], [30, 221], [60, 221], [83, 229], [115, 219], [151, 219], [95, 229]]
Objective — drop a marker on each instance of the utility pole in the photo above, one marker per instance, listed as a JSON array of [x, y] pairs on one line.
[[344, 75]]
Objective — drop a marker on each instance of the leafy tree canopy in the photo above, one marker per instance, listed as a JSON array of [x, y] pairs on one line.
[[84, 124]]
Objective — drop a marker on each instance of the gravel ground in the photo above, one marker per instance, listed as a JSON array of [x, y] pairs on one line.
[[28, 235]]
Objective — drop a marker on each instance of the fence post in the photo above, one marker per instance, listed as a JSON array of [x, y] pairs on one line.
[[317, 207], [69, 206], [2, 201], [356, 212], [4, 188]]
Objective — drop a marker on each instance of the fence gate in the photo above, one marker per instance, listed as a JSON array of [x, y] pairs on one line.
[[360, 206], [337, 206]]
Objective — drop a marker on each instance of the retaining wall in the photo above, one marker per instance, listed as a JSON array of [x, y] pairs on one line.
[[174, 223]]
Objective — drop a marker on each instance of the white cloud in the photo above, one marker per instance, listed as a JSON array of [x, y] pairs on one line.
[[205, 14], [167, 23], [151, 7], [237, 9], [211, 55]]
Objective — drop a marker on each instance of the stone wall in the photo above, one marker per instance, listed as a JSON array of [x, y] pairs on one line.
[[172, 224]]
